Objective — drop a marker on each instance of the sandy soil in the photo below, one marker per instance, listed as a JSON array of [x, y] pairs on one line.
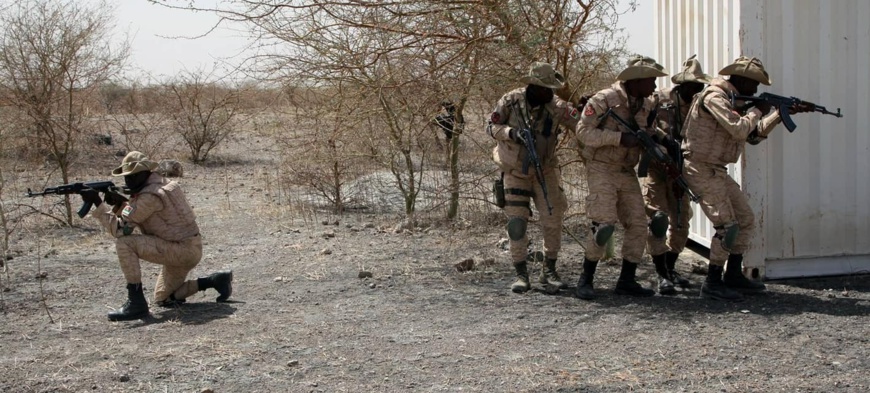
[[302, 319]]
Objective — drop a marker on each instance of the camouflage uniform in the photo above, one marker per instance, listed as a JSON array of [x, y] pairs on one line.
[[520, 181], [658, 187], [614, 190], [660, 190], [169, 237], [715, 136]]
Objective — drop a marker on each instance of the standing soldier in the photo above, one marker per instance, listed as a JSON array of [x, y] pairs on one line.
[[662, 196], [166, 233], [715, 136], [611, 153], [536, 109]]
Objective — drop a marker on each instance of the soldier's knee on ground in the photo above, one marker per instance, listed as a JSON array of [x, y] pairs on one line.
[[602, 232]]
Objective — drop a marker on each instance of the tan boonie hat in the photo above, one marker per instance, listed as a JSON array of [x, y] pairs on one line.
[[640, 67], [543, 74], [748, 68], [134, 162], [691, 73]]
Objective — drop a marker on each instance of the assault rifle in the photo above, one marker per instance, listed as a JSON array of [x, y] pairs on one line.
[[528, 139], [652, 149], [782, 104], [106, 187]]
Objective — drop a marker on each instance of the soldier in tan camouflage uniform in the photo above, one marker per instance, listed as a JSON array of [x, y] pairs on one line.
[[715, 135], [611, 153], [545, 113], [662, 196], [167, 235]]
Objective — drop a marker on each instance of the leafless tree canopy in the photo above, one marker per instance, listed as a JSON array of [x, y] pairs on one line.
[[396, 61], [54, 56]]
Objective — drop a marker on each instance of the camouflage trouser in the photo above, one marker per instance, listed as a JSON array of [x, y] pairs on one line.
[[615, 196], [177, 258], [724, 203], [517, 196], [659, 196]]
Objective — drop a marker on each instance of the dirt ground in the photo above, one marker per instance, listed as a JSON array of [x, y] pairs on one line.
[[302, 319]]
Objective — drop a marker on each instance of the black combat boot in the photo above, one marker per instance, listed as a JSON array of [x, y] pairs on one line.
[[222, 282], [666, 286], [714, 288], [676, 278], [136, 306], [549, 277], [585, 289], [626, 284], [735, 279], [522, 283]]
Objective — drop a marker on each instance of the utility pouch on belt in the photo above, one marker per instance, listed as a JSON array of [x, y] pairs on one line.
[[498, 191]]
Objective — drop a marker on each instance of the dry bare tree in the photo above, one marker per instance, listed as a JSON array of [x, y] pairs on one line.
[[319, 156], [457, 49], [203, 112], [54, 56]]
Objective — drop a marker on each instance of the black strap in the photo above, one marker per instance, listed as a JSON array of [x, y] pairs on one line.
[[524, 204], [519, 191]]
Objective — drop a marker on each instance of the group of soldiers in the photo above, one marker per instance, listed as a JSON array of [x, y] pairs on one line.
[[696, 123]]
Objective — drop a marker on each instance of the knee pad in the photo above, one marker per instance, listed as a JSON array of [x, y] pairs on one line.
[[727, 234], [516, 228], [658, 224], [602, 233]]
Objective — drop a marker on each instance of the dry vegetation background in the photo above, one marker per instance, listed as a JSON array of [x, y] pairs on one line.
[[317, 160]]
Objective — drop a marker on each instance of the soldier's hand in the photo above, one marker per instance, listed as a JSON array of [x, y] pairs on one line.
[[764, 107], [627, 139], [91, 196], [516, 136], [114, 198]]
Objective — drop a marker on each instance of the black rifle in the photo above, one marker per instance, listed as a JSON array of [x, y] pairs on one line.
[[528, 139], [674, 149], [782, 104], [652, 149], [106, 187]]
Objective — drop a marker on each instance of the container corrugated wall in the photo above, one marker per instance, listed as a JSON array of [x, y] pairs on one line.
[[810, 188]]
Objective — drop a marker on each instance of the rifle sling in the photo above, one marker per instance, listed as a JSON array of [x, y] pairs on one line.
[[519, 191]]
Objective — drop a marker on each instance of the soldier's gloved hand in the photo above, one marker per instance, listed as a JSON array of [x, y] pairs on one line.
[[91, 196], [627, 139]]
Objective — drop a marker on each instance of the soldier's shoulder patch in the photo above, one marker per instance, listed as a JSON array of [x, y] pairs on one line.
[[495, 118], [590, 110], [128, 210], [572, 113]]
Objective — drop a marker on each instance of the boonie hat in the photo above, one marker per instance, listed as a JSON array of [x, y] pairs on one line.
[[691, 73], [748, 68], [543, 74], [640, 67], [134, 162]]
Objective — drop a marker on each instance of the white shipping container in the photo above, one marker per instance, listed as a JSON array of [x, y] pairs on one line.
[[809, 189]]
